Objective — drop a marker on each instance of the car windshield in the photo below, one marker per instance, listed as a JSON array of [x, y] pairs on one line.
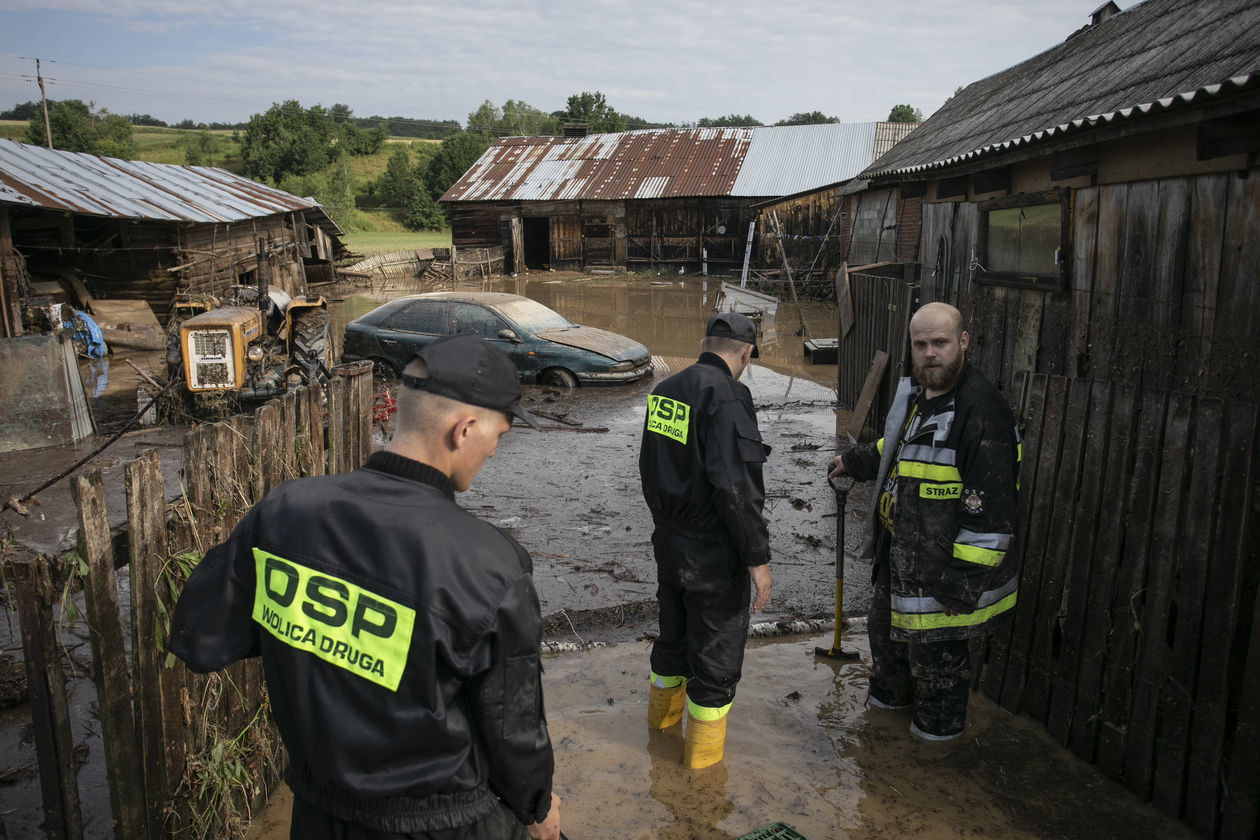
[[533, 316]]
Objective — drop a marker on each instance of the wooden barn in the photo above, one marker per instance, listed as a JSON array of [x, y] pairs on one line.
[[1095, 213], [679, 199], [76, 228]]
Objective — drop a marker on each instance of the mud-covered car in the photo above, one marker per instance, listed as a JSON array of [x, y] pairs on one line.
[[546, 347]]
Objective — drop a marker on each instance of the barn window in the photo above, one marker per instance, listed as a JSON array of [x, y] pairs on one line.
[[1024, 240]]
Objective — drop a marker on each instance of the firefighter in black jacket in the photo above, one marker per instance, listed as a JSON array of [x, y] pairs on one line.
[[942, 534], [700, 465], [399, 633]]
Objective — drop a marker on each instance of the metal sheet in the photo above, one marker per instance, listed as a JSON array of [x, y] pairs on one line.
[[102, 186]]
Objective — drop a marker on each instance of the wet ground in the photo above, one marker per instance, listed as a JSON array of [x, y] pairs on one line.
[[803, 749]]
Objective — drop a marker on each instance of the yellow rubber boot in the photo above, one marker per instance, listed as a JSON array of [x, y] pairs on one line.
[[705, 739], [665, 701]]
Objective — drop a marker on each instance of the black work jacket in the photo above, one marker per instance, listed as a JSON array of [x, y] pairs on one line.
[[400, 638], [701, 460], [954, 485]]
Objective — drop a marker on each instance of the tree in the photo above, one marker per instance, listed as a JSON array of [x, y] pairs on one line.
[[78, 127], [812, 118], [594, 110], [456, 154], [731, 120], [288, 140], [514, 119], [22, 112], [333, 188], [423, 213], [201, 148], [905, 113], [398, 183]]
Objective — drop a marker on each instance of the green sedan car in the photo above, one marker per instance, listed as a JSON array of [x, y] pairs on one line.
[[546, 347]]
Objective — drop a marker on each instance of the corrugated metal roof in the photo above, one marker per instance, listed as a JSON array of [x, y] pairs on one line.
[[1157, 56], [667, 163], [103, 186]]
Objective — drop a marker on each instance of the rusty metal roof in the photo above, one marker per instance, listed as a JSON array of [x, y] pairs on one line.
[[1157, 56], [669, 163], [101, 186]]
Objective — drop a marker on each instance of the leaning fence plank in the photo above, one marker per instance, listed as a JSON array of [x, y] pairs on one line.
[[1080, 550], [1154, 652], [158, 716], [1194, 546], [113, 677], [54, 742], [1115, 468], [1218, 642], [1036, 535], [1122, 645]]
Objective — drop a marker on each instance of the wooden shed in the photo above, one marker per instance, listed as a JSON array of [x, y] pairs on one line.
[[680, 199], [78, 227], [1094, 211]]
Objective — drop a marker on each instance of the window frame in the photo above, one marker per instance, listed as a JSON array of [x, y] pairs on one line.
[[1027, 280]]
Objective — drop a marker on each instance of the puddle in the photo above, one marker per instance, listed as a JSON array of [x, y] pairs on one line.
[[803, 749]]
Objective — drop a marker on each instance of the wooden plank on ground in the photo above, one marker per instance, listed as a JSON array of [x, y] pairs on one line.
[[112, 674], [1231, 553], [1080, 548], [1105, 566], [869, 388], [1050, 607], [1154, 651], [46, 685], [1193, 547], [1037, 518], [1122, 644]]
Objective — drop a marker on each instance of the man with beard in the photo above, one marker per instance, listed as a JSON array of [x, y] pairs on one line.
[[942, 535]]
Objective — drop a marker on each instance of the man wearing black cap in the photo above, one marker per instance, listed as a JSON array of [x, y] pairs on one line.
[[700, 465], [399, 633]]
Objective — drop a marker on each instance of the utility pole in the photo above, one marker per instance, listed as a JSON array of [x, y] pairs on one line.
[[44, 99]]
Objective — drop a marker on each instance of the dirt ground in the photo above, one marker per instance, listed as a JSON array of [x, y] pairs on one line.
[[803, 747]]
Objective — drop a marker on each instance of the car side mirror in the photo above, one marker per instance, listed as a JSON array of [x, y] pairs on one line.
[[510, 335]]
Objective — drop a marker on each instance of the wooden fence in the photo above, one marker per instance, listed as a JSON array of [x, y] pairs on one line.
[[1136, 639], [186, 754], [881, 316]]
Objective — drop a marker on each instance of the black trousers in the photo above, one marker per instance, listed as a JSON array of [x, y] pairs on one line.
[[310, 823], [934, 676], [704, 592]]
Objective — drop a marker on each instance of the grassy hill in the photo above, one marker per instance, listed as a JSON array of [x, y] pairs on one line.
[[372, 230]]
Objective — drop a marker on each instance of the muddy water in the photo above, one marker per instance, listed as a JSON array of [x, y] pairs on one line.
[[802, 748]]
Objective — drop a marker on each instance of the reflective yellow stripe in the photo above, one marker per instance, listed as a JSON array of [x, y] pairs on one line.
[[982, 556], [933, 621], [879, 446], [929, 472], [707, 712], [668, 417], [333, 619], [666, 682], [940, 491]]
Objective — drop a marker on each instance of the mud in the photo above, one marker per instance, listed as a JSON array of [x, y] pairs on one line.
[[802, 748]]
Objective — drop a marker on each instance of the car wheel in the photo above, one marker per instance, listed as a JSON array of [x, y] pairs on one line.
[[384, 369], [558, 378]]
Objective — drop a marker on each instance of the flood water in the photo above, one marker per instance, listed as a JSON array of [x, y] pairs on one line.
[[802, 748]]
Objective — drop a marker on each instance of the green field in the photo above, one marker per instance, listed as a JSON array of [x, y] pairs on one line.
[[369, 242]]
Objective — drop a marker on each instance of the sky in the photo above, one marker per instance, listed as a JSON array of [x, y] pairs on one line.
[[668, 61]]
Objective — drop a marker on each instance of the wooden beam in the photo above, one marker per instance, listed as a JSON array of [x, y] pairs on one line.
[[869, 387]]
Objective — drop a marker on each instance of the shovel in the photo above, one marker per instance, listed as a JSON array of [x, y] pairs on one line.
[[841, 487]]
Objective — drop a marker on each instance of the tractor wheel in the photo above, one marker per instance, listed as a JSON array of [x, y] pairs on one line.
[[312, 343]]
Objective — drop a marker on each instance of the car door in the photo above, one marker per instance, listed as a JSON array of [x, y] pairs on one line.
[[474, 319], [411, 328]]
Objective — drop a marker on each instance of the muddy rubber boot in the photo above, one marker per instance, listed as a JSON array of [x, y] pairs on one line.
[[705, 740], [665, 701]]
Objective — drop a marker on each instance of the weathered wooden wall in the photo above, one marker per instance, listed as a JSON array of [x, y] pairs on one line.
[[1136, 637], [173, 740], [220, 255], [1162, 289]]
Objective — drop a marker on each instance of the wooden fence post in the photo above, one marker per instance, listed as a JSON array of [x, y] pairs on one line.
[[158, 707], [113, 677], [54, 742]]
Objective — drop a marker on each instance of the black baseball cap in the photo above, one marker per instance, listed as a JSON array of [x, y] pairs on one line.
[[736, 326], [471, 370]]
